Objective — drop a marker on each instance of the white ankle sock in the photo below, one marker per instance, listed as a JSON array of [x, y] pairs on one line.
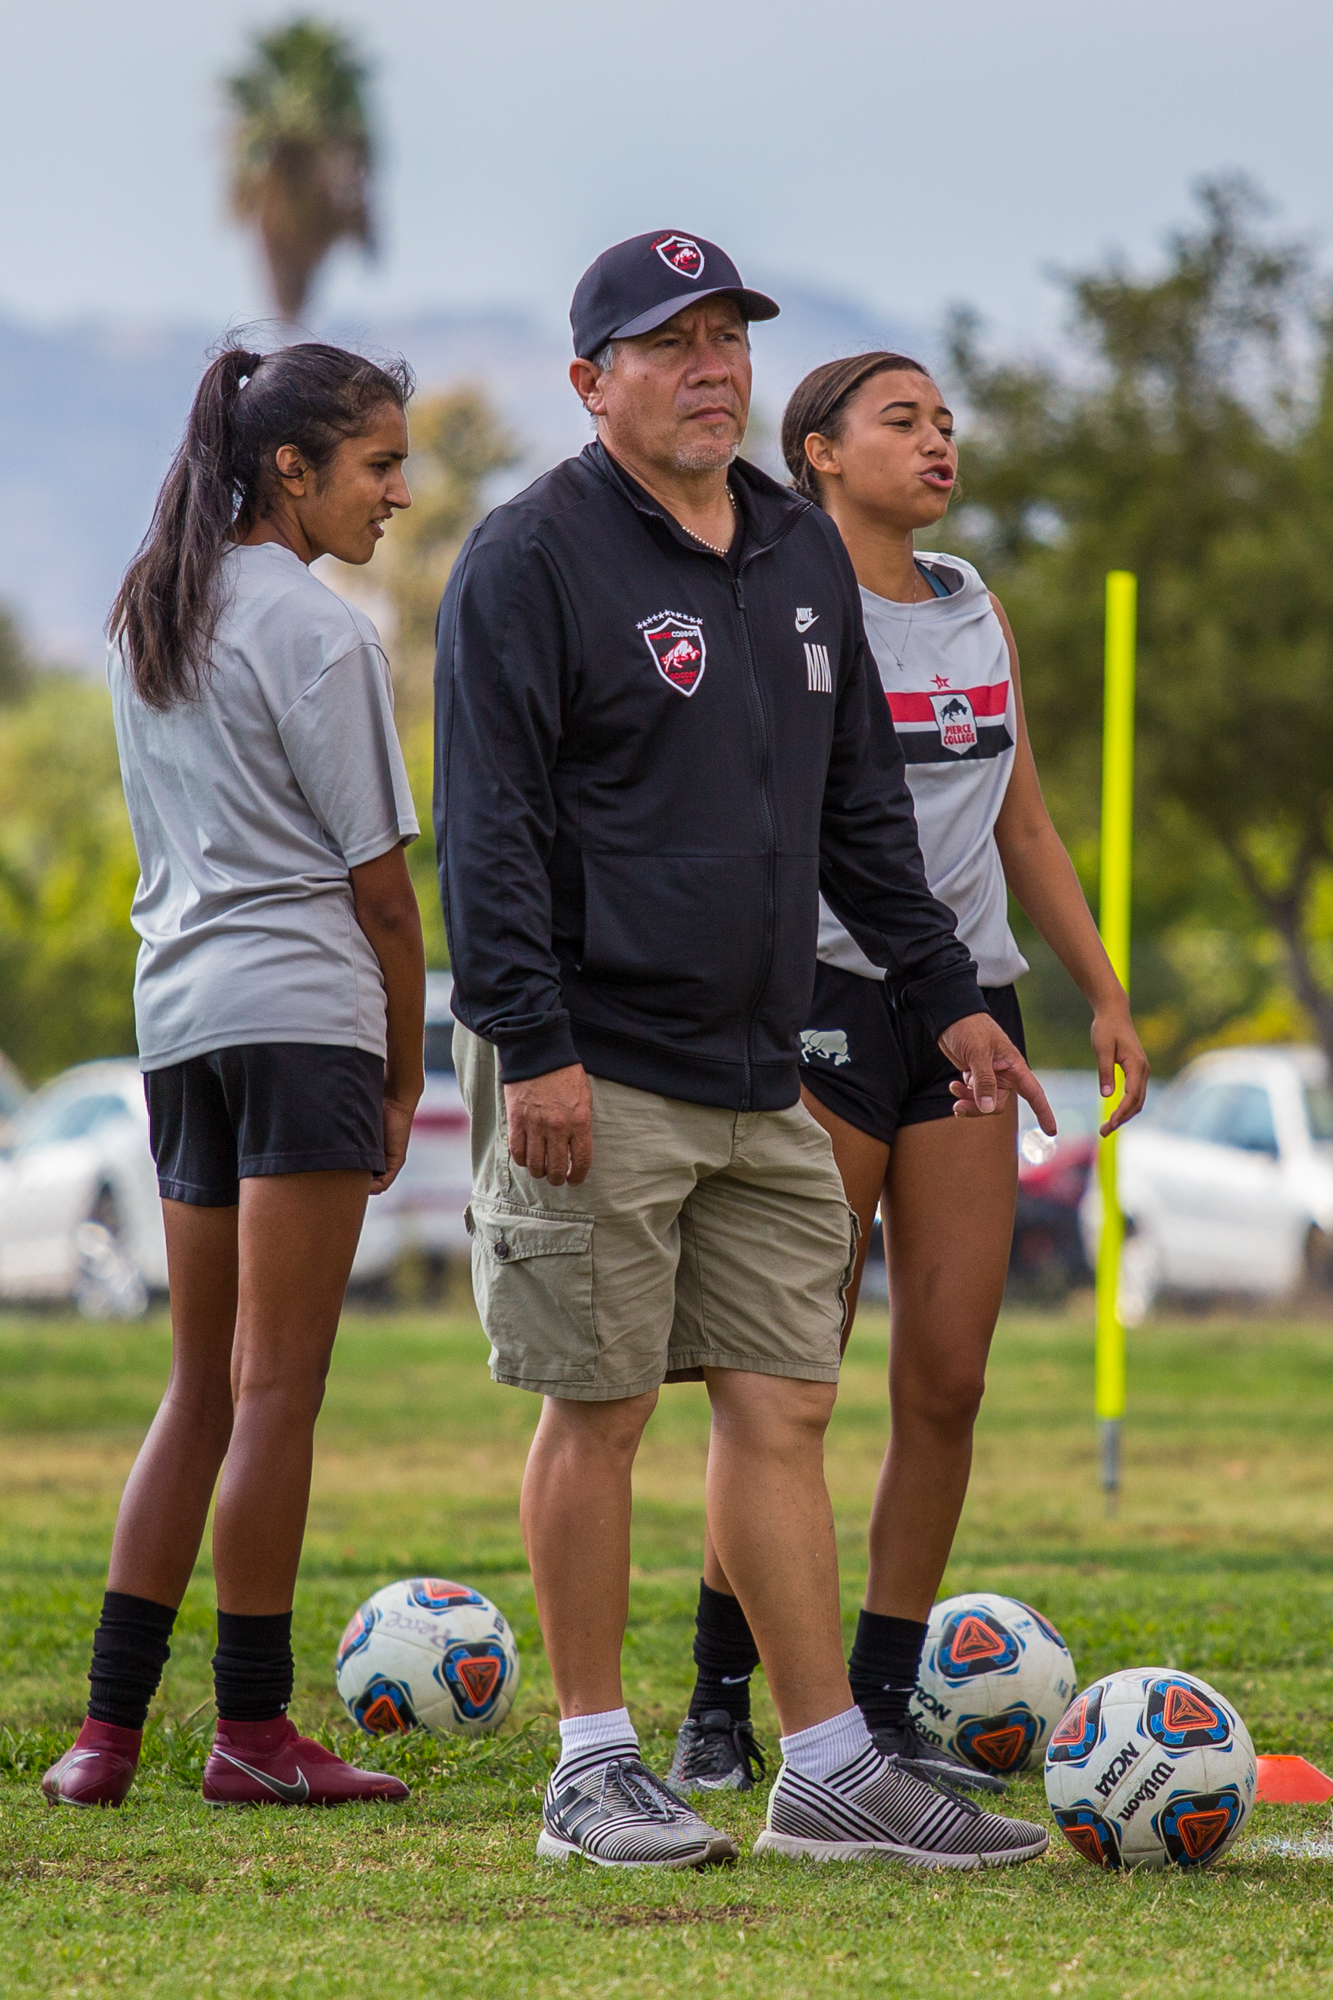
[[827, 1746], [593, 1739]]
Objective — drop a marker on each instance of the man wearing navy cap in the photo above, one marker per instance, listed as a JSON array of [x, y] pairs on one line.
[[645, 776]]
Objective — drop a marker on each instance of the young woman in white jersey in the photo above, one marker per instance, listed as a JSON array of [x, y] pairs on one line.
[[279, 1000], [871, 440]]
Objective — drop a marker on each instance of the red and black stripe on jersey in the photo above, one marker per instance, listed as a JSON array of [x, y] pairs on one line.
[[953, 725]]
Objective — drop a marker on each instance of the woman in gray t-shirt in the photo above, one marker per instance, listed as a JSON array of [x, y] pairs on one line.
[[278, 999]]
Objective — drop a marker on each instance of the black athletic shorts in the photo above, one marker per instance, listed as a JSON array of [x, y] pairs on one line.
[[263, 1108], [876, 1064]]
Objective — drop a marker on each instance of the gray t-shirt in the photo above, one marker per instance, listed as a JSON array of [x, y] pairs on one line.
[[249, 806]]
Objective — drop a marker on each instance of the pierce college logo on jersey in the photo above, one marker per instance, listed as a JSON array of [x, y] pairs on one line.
[[681, 254], [676, 642], [956, 720]]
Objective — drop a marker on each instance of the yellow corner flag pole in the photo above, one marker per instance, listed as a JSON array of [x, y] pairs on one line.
[[1117, 850]]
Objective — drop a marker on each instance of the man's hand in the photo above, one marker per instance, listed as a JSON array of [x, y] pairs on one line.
[[550, 1125], [992, 1068]]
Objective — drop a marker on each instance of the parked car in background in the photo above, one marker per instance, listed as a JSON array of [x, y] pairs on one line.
[[80, 1218], [1047, 1254], [14, 1094], [1226, 1184], [420, 1218]]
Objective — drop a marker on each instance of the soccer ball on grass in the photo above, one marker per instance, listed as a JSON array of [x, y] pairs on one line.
[[431, 1654], [995, 1679], [1150, 1768]]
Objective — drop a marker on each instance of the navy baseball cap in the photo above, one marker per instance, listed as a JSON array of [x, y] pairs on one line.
[[635, 286]]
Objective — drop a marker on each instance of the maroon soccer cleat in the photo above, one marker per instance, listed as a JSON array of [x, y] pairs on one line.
[[269, 1764], [97, 1769]]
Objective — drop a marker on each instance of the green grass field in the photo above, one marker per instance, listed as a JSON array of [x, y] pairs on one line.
[[1221, 1561]]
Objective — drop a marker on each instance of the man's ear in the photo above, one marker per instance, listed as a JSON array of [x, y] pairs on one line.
[[586, 376]]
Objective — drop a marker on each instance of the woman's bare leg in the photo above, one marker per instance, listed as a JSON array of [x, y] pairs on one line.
[[948, 1223], [863, 1163], [297, 1237], [165, 1504], [256, 1293]]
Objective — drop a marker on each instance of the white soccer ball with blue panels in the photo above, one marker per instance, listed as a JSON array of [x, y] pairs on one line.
[[428, 1654], [995, 1679], [1151, 1768]]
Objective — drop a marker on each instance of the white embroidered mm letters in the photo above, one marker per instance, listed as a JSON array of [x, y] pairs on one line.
[[818, 675]]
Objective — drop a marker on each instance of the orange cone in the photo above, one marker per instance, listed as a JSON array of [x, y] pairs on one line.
[[1292, 1781]]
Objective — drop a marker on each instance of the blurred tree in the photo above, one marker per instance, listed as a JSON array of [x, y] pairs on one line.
[[301, 152], [67, 876], [14, 667], [458, 441], [1196, 448]]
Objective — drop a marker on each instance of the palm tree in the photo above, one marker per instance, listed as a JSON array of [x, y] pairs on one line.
[[301, 152]]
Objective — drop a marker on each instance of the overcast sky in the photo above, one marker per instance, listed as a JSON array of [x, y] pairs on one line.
[[905, 155]]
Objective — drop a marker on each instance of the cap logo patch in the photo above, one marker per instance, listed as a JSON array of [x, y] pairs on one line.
[[681, 254], [676, 642]]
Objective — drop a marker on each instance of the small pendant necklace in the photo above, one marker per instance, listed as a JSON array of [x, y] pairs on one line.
[[900, 659], [713, 545]]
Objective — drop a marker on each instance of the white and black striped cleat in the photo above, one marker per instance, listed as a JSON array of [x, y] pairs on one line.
[[619, 1815], [873, 1809]]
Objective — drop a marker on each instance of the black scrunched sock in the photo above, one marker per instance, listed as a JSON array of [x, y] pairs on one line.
[[253, 1668], [130, 1649]]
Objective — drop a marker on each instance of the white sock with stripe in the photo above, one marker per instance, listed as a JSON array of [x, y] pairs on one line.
[[589, 1740], [827, 1746]]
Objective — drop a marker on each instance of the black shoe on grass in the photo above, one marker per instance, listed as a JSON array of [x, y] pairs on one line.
[[910, 1749], [715, 1753]]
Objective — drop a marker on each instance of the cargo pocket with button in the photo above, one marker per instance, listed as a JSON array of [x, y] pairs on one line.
[[532, 1277]]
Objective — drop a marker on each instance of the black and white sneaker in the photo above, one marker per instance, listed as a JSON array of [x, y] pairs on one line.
[[915, 1753], [872, 1808], [621, 1816], [714, 1753]]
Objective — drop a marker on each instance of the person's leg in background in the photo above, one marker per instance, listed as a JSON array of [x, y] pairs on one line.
[[946, 1286]]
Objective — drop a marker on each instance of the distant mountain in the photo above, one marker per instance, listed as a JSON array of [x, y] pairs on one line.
[[93, 412]]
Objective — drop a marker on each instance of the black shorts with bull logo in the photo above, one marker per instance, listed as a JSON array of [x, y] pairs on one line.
[[877, 1064]]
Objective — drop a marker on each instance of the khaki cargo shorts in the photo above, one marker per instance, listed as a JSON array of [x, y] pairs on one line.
[[701, 1239]]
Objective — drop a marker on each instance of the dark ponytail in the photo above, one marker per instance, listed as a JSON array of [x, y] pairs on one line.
[[819, 404], [220, 483]]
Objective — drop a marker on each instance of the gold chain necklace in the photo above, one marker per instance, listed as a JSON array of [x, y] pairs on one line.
[[713, 545]]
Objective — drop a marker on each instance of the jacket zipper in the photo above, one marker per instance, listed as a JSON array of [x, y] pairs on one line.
[[770, 914]]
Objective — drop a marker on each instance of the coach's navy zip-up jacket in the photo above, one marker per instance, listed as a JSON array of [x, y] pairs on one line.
[[649, 761]]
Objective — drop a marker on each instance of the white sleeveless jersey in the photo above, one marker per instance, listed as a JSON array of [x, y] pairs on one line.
[[945, 669]]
